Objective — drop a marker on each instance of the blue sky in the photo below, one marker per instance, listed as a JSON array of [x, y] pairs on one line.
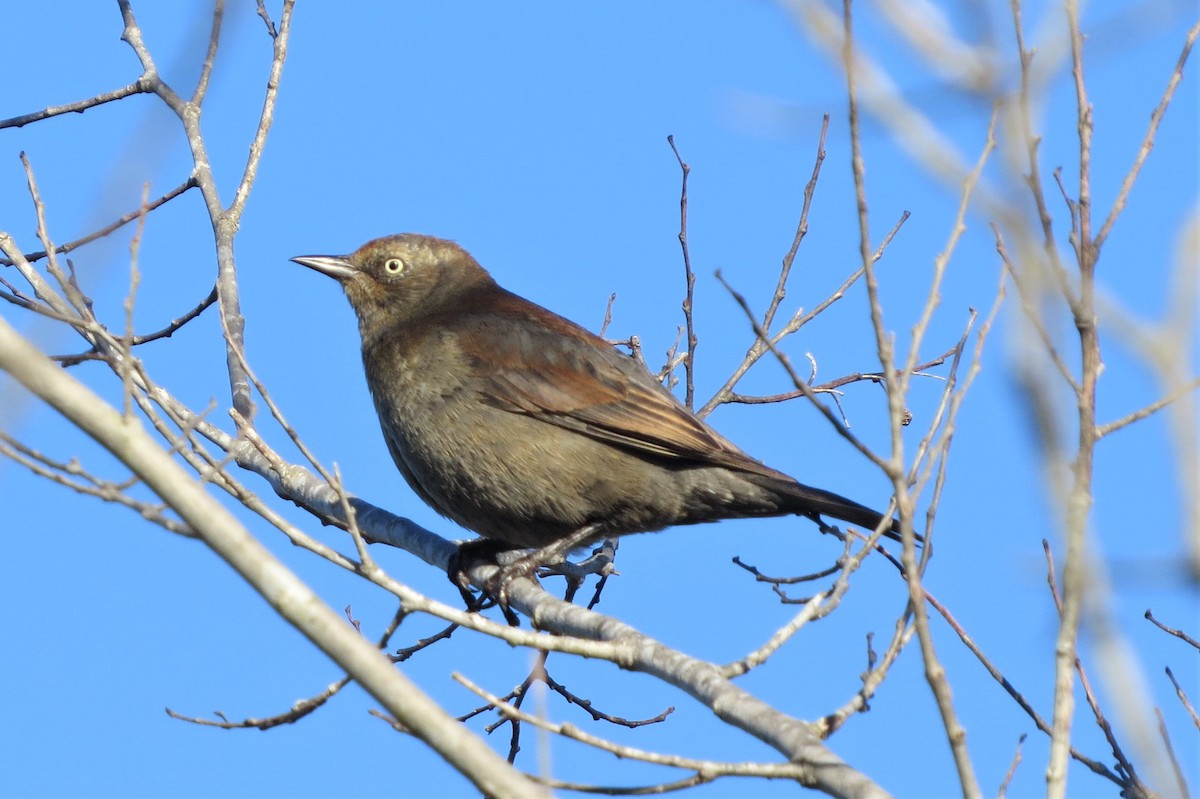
[[536, 137]]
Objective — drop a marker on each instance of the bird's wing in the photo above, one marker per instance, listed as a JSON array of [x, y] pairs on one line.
[[564, 375]]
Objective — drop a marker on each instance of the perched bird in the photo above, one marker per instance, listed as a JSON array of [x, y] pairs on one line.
[[526, 428]]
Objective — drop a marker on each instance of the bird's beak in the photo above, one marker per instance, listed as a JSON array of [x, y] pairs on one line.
[[336, 266]]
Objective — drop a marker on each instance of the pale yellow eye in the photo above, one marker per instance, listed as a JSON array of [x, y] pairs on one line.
[[393, 266]]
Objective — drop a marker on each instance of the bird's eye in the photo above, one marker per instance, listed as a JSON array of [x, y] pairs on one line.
[[393, 266]]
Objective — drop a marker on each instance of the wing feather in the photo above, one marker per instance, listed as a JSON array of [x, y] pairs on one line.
[[562, 374]]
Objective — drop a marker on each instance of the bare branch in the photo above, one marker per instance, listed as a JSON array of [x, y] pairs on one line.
[[297, 711], [140, 86], [1183, 698], [1012, 768], [689, 360], [89, 484], [107, 229], [800, 384], [214, 38], [1180, 634], [280, 46], [287, 594], [785, 770], [810, 190], [1149, 410], [266, 18], [1143, 153], [1096, 766]]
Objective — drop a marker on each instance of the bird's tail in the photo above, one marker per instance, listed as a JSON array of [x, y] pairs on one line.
[[816, 502]]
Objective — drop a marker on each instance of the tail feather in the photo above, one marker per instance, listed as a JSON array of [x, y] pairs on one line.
[[816, 502]]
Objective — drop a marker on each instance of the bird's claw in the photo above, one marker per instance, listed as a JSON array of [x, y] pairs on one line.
[[526, 564], [487, 551]]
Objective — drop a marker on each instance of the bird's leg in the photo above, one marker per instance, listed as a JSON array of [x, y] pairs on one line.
[[477, 550], [525, 565], [554, 552]]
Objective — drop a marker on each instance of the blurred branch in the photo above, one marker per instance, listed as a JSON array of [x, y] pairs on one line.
[[896, 386]]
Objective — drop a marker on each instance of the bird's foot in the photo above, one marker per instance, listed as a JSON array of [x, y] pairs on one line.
[[510, 565], [467, 556], [490, 551], [551, 555]]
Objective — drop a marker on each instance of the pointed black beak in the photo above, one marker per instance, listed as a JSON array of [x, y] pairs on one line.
[[336, 266]]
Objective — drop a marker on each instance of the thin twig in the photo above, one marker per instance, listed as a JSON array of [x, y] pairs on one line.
[[810, 190], [135, 278], [70, 288], [1180, 634], [800, 384], [689, 280], [299, 709], [172, 327], [1012, 768], [1096, 766], [266, 18], [91, 485], [139, 86], [1150, 409], [717, 768], [1180, 780], [830, 385], [1029, 307], [107, 229], [1183, 698], [210, 57], [1143, 153]]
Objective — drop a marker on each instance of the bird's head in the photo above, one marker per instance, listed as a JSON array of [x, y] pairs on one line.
[[398, 280]]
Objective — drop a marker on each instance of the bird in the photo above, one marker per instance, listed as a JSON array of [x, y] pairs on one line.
[[527, 428]]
